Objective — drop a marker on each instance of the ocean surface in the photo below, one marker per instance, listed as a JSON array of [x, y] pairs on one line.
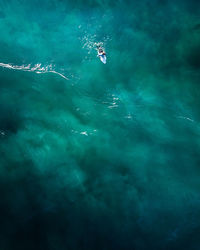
[[94, 156]]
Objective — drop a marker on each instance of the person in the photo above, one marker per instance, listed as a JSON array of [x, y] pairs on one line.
[[101, 52]]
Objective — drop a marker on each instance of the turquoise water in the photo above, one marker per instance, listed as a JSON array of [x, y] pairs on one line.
[[98, 156]]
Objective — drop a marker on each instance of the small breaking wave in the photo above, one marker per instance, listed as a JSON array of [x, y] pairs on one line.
[[185, 118], [37, 68]]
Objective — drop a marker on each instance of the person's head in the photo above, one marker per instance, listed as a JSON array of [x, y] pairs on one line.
[[100, 50]]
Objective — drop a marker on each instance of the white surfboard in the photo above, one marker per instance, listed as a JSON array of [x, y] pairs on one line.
[[102, 58]]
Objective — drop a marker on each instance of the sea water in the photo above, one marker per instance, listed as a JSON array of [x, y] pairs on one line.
[[98, 156]]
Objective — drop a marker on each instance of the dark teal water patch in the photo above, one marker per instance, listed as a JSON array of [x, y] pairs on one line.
[[98, 156]]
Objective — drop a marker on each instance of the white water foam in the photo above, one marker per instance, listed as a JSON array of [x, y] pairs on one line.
[[185, 118], [37, 68]]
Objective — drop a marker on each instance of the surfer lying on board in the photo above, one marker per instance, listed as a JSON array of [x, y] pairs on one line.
[[101, 52]]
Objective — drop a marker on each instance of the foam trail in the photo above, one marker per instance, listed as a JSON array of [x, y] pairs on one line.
[[36, 68], [185, 118], [52, 71]]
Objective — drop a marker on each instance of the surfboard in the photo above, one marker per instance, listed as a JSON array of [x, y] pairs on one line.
[[102, 58]]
